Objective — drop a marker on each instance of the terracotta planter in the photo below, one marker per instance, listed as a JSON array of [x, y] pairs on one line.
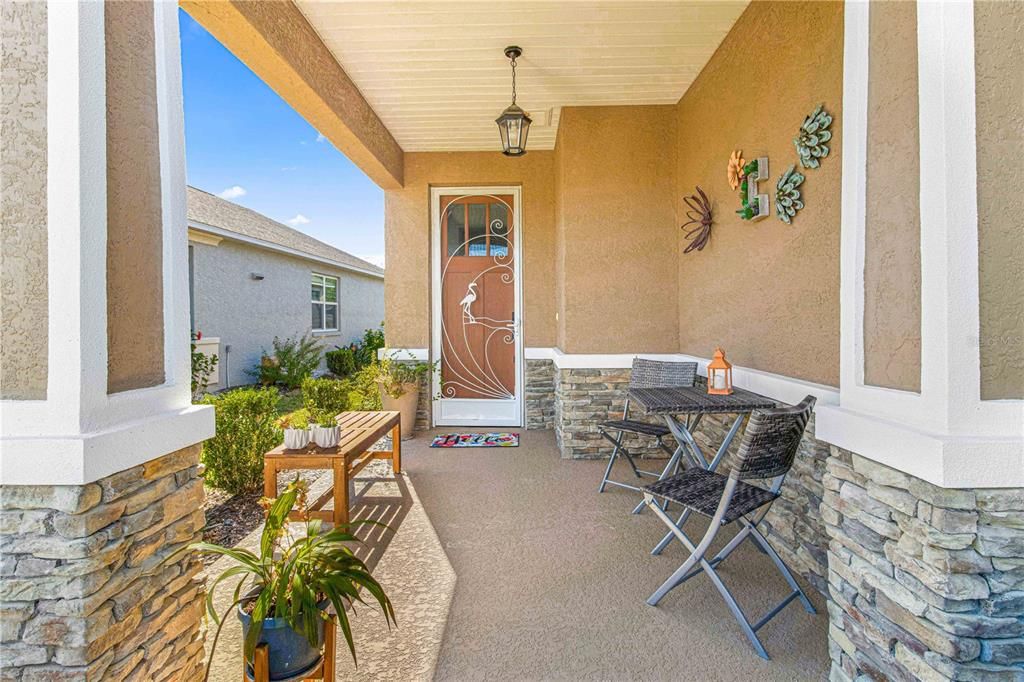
[[406, 404]]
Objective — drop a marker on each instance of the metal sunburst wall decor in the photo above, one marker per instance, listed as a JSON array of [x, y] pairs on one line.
[[812, 141], [787, 196], [699, 217]]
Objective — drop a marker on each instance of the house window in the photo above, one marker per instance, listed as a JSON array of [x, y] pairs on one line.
[[325, 303]]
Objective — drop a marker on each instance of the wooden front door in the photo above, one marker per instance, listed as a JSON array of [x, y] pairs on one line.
[[477, 318]]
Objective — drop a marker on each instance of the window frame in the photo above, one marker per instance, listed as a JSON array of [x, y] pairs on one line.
[[324, 303]]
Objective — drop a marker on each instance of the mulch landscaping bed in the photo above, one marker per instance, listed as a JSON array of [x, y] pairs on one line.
[[229, 518]]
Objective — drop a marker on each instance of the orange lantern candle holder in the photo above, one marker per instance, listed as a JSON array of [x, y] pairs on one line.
[[719, 374]]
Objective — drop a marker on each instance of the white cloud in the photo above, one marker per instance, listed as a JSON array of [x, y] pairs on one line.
[[320, 137], [376, 258], [289, 168], [233, 192], [299, 219]]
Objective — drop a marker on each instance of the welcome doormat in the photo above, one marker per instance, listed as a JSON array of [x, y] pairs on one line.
[[476, 440]]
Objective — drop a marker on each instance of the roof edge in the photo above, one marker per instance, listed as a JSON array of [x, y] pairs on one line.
[[271, 246]]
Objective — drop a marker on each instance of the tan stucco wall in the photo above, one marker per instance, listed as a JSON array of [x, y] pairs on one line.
[[135, 332], [892, 222], [999, 47], [23, 243], [407, 242], [616, 230], [276, 41], [767, 292]]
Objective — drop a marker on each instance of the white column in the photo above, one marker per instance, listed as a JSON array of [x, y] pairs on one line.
[[79, 433], [945, 434]]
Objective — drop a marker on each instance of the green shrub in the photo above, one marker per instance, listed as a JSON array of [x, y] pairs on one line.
[[364, 393], [202, 367], [366, 352], [324, 399], [292, 361], [341, 362], [246, 429]]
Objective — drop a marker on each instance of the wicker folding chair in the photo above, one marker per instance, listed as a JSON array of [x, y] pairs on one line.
[[645, 374], [767, 452]]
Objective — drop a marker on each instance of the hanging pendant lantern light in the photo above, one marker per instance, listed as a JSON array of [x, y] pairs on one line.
[[514, 123]]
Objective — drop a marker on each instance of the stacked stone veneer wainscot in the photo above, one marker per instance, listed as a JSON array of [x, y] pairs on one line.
[[926, 583], [540, 394], [93, 584], [583, 399], [793, 525]]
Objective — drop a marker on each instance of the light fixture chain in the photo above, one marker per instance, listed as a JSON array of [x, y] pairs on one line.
[[513, 80]]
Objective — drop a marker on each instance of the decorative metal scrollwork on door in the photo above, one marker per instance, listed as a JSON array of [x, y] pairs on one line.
[[478, 336]]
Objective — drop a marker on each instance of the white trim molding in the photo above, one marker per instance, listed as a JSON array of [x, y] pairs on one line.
[[945, 434], [203, 238], [775, 386], [79, 432], [76, 459]]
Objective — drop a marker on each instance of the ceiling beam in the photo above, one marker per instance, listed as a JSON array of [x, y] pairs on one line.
[[278, 44]]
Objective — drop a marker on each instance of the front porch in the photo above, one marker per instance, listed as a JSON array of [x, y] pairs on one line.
[[894, 297], [506, 564]]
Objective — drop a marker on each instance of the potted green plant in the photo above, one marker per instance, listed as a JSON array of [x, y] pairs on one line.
[[293, 585], [296, 437], [399, 384]]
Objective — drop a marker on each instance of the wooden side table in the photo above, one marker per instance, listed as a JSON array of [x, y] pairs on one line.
[[359, 432]]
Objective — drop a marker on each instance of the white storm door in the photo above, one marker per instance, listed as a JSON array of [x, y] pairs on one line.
[[476, 303]]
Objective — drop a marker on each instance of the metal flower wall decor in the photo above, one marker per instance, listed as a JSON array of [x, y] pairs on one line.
[[811, 142], [735, 172], [787, 196], [699, 216]]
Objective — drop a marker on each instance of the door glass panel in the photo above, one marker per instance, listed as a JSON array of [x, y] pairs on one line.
[[477, 230], [499, 229], [456, 234]]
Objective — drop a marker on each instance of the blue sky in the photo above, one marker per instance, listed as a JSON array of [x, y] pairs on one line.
[[245, 143]]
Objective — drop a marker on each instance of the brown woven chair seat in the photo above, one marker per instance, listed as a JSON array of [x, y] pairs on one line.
[[701, 490], [634, 426]]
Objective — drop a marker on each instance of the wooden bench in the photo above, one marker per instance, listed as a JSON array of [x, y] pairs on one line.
[[359, 432]]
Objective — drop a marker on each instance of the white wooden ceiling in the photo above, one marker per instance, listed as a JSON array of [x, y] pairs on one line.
[[436, 74]]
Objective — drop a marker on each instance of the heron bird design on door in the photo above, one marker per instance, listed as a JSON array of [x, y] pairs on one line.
[[478, 302]]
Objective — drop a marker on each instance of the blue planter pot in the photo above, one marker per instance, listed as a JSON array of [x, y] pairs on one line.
[[290, 652]]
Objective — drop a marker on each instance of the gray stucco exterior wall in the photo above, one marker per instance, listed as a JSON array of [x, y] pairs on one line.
[[247, 313]]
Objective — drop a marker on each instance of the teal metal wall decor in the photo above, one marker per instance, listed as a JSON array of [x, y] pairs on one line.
[[811, 143], [753, 206], [787, 196]]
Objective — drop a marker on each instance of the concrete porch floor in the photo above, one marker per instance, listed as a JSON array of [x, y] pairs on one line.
[[505, 564], [552, 578]]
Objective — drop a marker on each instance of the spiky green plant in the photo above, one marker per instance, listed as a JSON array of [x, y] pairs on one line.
[[787, 196], [291, 578], [811, 141]]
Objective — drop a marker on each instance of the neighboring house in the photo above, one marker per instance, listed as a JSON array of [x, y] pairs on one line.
[[252, 278]]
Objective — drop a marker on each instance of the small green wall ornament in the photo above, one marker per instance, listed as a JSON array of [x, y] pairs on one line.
[[787, 196], [811, 143], [754, 206]]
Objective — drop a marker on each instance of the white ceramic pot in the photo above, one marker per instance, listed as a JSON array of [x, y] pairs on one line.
[[326, 436], [296, 439]]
